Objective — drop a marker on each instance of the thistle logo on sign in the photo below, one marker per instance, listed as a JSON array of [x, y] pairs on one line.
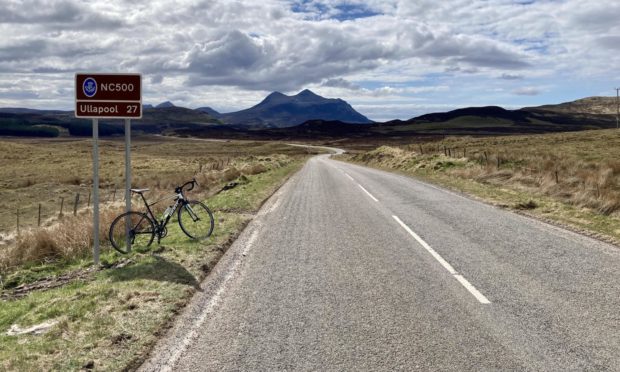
[[110, 96], [89, 87]]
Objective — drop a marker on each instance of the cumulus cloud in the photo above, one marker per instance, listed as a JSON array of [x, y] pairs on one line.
[[57, 13], [527, 91], [507, 76], [340, 83], [228, 54]]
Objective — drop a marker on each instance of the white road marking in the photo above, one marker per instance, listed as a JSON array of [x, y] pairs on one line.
[[249, 243], [209, 308], [443, 262], [479, 296], [189, 338], [270, 208], [351, 178], [369, 194]]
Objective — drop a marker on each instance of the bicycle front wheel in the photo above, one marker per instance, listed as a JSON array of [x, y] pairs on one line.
[[196, 220], [131, 229]]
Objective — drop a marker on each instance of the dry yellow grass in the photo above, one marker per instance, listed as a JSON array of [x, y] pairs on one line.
[[70, 238], [35, 171], [39, 171], [579, 169]]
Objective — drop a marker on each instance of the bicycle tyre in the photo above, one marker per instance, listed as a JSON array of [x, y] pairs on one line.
[[191, 227], [142, 225]]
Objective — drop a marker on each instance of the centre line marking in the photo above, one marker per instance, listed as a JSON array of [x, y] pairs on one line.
[[366, 191], [347, 174], [464, 282]]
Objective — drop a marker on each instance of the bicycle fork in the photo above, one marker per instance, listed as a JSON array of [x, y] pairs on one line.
[[191, 212]]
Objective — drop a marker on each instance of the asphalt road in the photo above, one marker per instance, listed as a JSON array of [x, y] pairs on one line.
[[348, 268]]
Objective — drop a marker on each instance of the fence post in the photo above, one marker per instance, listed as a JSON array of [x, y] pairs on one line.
[[486, 158], [17, 213], [498, 161], [62, 202], [39, 219], [114, 195], [88, 204], [557, 180], [75, 205]]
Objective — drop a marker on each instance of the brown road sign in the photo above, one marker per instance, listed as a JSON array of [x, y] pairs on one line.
[[108, 96]]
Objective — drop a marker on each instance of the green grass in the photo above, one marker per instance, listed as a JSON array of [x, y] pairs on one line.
[[113, 317]]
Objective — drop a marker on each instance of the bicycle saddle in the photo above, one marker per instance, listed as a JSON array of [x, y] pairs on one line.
[[139, 191]]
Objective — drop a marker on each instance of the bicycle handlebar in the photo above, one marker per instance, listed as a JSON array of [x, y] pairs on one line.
[[191, 183]]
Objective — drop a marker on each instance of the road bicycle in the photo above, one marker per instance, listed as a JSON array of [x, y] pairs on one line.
[[139, 229]]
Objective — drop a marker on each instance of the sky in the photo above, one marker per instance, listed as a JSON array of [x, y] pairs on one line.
[[390, 59]]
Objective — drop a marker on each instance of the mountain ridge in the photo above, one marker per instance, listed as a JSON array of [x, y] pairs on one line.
[[585, 113], [278, 110]]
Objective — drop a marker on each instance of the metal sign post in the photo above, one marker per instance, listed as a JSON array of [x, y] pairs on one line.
[[96, 191], [617, 108], [128, 178], [110, 96]]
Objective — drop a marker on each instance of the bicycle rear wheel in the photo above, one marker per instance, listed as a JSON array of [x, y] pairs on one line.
[[131, 229], [196, 220]]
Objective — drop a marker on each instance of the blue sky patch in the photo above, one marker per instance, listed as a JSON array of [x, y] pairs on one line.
[[342, 12]]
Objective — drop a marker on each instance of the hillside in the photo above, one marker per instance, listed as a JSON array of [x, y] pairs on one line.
[[488, 112], [589, 105], [208, 110], [279, 110], [496, 120], [40, 123]]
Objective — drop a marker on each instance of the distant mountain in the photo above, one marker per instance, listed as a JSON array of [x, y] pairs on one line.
[[147, 106], [588, 105], [22, 110], [166, 104], [210, 111], [279, 110], [167, 119]]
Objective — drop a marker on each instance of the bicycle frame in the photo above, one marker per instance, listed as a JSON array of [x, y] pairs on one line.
[[179, 199], [179, 202]]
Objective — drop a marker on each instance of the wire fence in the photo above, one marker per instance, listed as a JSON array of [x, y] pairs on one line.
[[48, 212]]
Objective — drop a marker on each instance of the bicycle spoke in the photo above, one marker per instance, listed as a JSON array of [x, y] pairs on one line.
[[131, 229]]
